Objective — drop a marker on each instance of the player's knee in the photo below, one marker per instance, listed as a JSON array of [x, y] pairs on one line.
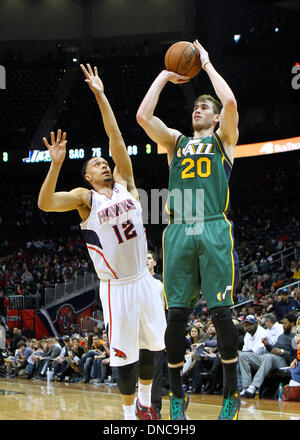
[[175, 334], [226, 332], [178, 315], [146, 364], [126, 379]]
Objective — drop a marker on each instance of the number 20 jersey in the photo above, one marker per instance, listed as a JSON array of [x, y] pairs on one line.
[[115, 234]]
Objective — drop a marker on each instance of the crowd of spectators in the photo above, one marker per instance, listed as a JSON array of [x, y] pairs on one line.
[[74, 358], [28, 267], [266, 343]]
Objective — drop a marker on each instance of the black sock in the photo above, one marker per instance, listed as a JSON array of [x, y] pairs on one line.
[[229, 378], [175, 375]]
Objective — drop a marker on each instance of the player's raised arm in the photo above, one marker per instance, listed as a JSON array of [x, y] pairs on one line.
[[228, 130], [49, 200], [153, 126], [116, 143]]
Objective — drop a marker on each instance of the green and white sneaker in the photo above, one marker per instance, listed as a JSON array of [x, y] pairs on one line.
[[231, 407], [178, 407]]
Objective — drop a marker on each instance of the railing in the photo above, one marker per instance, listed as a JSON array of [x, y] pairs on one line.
[[70, 287], [246, 270], [288, 285], [19, 302], [242, 304], [16, 302], [87, 324]]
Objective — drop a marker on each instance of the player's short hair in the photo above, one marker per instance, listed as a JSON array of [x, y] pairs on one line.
[[154, 256], [83, 172], [217, 106]]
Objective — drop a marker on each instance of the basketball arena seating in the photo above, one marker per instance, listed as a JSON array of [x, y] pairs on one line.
[[126, 81], [29, 90]]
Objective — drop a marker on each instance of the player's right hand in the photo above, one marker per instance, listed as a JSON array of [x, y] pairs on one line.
[[57, 148], [92, 78], [175, 78]]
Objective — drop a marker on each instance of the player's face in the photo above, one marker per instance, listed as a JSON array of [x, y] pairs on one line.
[[98, 171], [203, 116], [151, 263]]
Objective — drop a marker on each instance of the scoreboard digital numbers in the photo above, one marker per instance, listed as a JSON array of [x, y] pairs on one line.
[[38, 156]]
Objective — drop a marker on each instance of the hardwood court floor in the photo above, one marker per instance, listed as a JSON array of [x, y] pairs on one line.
[[22, 399]]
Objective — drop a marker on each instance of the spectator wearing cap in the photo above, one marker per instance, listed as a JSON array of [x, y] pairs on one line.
[[285, 305], [253, 337], [274, 329], [279, 355]]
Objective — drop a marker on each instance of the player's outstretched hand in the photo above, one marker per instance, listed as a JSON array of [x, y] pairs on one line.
[[204, 57], [57, 148], [92, 78], [177, 79]]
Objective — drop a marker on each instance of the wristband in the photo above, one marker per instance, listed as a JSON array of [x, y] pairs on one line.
[[204, 64]]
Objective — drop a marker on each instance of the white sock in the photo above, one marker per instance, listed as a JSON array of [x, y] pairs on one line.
[[144, 394], [129, 412]]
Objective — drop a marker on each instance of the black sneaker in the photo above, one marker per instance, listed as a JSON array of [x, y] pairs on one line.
[[231, 407], [178, 407]]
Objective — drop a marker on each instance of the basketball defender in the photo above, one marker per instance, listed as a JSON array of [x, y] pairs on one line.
[[113, 229], [199, 254]]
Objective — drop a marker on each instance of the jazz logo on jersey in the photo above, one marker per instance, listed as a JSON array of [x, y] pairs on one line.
[[192, 148], [119, 354], [221, 296]]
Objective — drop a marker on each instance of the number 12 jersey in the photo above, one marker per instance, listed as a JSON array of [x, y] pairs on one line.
[[115, 234]]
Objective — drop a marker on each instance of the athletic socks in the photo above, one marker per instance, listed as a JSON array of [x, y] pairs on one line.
[[176, 381], [129, 412], [144, 394], [229, 378]]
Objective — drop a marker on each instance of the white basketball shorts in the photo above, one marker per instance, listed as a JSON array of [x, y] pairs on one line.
[[135, 316]]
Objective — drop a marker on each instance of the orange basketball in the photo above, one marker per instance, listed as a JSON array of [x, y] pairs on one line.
[[183, 58]]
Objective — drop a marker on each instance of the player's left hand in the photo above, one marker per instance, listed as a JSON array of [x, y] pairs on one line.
[[204, 57], [92, 78]]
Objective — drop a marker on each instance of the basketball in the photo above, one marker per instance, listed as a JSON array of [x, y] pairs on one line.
[[183, 58]]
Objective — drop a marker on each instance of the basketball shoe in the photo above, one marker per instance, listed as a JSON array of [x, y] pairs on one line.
[[143, 412], [231, 407], [178, 407]]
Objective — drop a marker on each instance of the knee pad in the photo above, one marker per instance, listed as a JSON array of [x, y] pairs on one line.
[[126, 379], [146, 364], [227, 335], [175, 334]]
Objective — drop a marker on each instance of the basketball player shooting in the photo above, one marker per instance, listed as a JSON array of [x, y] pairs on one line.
[[113, 229], [194, 260]]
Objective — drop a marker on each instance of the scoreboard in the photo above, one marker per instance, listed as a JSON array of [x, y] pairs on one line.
[[40, 156]]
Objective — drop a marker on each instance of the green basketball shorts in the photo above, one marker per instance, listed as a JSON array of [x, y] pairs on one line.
[[195, 261]]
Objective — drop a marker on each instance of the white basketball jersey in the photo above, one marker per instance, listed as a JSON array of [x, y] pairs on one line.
[[115, 234]]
